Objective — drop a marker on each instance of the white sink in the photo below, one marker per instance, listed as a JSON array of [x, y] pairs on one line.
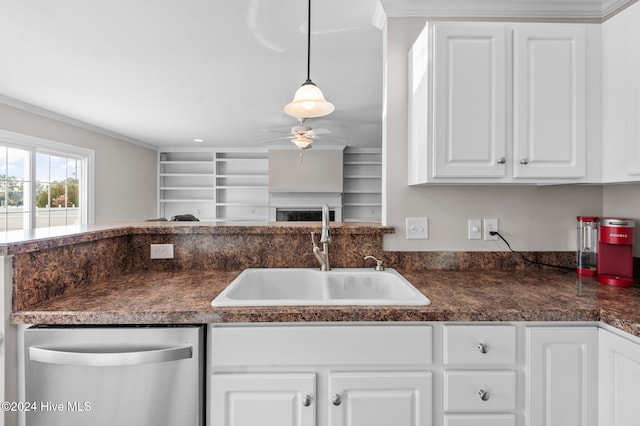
[[306, 287]]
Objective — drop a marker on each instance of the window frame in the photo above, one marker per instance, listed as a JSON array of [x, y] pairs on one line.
[[35, 145]]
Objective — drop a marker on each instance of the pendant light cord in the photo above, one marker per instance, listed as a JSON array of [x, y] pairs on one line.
[[309, 43]]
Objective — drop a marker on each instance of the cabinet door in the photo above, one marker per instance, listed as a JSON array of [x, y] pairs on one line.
[[633, 91], [469, 124], [619, 380], [247, 399], [562, 388], [480, 420], [380, 399], [549, 101]]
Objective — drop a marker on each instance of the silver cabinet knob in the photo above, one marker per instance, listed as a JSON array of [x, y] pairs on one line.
[[336, 400], [306, 400], [501, 160], [524, 161], [483, 348], [483, 395]]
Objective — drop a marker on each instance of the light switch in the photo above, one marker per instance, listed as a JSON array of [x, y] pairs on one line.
[[475, 229], [417, 228]]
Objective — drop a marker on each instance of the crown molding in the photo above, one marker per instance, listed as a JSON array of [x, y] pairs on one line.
[[595, 10], [5, 100]]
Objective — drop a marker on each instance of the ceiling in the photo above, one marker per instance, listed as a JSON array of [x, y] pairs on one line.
[[163, 72]]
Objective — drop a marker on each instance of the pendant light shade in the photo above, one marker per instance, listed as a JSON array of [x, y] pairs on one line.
[[308, 101]]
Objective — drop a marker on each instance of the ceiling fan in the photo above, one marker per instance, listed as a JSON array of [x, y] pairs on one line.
[[302, 136]]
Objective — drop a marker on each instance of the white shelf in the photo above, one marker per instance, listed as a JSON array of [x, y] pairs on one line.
[[199, 162], [362, 197], [187, 188], [187, 200], [362, 163]]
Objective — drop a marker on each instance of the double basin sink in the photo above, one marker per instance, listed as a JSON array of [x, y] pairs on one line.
[[310, 287]]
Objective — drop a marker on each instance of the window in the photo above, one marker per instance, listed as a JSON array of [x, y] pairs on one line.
[[42, 183]]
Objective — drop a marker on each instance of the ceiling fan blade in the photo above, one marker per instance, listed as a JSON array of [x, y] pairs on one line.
[[321, 131], [276, 131], [277, 139]]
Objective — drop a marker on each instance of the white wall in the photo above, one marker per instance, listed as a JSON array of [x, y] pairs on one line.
[[125, 174], [530, 218], [624, 201]]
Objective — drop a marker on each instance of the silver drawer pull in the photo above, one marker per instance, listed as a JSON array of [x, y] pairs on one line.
[[336, 400], [524, 161], [483, 395], [501, 160], [483, 348], [306, 400]]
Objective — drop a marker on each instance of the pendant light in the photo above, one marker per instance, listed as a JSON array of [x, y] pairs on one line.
[[308, 101]]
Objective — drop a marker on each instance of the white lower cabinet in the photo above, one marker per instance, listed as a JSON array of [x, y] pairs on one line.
[[480, 375], [421, 374], [382, 398], [480, 420], [325, 375], [619, 379], [250, 399], [562, 385], [479, 391]]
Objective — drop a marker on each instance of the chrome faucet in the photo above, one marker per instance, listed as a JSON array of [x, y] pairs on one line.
[[325, 239]]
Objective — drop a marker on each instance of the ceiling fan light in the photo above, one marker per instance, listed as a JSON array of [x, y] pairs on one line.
[[302, 142], [309, 102]]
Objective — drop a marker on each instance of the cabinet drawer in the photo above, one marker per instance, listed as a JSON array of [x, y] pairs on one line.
[[480, 420], [479, 345], [479, 390], [295, 345]]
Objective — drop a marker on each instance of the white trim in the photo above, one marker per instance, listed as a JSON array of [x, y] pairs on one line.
[[597, 10], [35, 142], [5, 100]]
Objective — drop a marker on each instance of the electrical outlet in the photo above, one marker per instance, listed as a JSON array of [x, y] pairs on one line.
[[490, 225], [162, 251], [417, 228], [475, 229]]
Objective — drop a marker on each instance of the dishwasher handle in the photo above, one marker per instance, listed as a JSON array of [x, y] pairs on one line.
[[109, 359]]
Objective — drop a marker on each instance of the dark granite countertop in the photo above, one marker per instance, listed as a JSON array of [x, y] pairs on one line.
[[538, 294], [14, 242]]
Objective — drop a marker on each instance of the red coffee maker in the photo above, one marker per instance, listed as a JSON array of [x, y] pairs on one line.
[[615, 252]]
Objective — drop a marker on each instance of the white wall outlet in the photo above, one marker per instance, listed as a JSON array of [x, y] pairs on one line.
[[162, 251], [475, 229], [490, 225], [417, 228]]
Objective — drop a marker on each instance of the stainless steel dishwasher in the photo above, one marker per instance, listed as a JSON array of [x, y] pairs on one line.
[[114, 376]]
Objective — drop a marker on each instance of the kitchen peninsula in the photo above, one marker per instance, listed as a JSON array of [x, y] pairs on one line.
[[103, 275], [482, 303]]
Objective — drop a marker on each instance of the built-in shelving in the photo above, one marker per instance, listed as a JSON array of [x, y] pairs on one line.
[[242, 186], [233, 184], [362, 196], [213, 185], [185, 183]]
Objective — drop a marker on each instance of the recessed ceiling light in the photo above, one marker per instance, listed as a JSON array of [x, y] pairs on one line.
[[198, 140]]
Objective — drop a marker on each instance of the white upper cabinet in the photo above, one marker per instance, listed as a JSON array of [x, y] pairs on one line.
[[549, 101], [621, 96], [469, 116], [498, 103]]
